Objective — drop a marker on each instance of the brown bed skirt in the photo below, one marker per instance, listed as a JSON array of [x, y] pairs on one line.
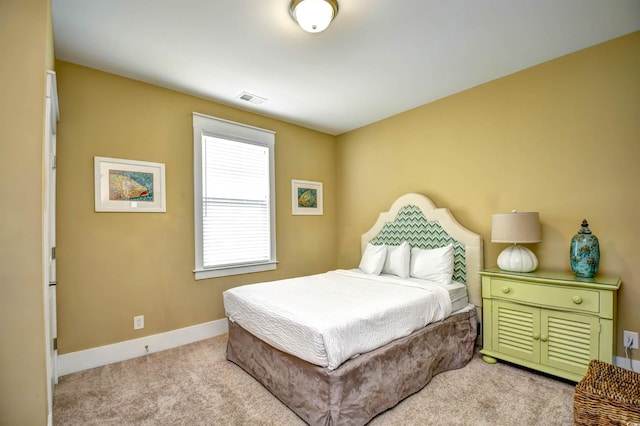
[[363, 386]]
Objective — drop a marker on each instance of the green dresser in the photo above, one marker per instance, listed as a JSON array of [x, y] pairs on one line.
[[548, 321]]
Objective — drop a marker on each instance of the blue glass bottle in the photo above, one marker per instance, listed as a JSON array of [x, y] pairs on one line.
[[584, 252]]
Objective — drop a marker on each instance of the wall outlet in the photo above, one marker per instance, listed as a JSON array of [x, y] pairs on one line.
[[138, 322], [630, 339]]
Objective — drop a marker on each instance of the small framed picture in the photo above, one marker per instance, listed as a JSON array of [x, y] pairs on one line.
[[306, 197], [128, 185]]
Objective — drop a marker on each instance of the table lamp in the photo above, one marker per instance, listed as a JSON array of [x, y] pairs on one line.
[[517, 228]]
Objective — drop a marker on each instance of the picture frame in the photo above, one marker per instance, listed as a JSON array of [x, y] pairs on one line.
[[306, 197], [129, 185]]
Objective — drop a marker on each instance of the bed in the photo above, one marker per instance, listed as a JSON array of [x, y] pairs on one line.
[[336, 371]]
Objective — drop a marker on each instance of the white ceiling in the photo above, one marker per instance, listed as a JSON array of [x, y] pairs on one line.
[[378, 58]]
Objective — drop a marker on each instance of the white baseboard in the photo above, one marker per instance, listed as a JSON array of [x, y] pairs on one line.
[[623, 362], [103, 355]]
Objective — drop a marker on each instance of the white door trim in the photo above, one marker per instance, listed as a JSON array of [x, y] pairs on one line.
[[49, 237]]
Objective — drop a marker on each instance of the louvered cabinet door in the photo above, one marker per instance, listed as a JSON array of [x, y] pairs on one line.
[[516, 330], [568, 341]]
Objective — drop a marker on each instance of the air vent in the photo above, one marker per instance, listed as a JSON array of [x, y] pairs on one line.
[[244, 96]]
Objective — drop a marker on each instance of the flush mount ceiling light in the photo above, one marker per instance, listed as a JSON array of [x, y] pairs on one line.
[[313, 15]]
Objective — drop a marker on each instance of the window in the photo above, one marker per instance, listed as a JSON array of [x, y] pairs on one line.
[[234, 198]]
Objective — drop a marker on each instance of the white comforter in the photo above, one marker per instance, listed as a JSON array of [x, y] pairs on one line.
[[328, 318]]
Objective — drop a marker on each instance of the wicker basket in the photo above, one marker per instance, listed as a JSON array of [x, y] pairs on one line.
[[607, 395]]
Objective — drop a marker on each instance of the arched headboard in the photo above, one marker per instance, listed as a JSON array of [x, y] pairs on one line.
[[415, 219]]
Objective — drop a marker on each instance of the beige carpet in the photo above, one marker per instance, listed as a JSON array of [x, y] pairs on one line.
[[195, 385]]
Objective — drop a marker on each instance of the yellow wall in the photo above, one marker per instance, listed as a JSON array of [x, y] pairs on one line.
[[561, 138], [26, 48], [112, 266]]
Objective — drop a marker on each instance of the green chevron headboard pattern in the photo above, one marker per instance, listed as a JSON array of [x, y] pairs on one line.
[[410, 225]]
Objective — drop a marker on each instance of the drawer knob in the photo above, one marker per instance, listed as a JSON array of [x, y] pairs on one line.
[[536, 336], [505, 289], [577, 300], [544, 337]]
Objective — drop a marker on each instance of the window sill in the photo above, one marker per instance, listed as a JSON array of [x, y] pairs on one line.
[[203, 274]]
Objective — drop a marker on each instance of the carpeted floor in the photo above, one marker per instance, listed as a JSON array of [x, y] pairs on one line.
[[195, 385]]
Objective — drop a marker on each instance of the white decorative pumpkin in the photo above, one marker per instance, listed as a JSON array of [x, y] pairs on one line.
[[517, 258]]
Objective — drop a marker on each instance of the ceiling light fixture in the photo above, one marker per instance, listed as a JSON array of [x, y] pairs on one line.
[[313, 15]]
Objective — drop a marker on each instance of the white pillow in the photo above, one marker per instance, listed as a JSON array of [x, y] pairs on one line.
[[397, 262], [433, 264], [373, 259]]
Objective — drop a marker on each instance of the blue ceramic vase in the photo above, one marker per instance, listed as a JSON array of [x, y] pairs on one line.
[[585, 252]]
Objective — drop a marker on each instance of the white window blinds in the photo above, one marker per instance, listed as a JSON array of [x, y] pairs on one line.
[[235, 210], [235, 223]]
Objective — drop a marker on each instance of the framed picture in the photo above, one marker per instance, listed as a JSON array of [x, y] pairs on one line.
[[128, 185], [306, 197]]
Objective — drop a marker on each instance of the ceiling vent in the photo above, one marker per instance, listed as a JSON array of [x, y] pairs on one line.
[[244, 96]]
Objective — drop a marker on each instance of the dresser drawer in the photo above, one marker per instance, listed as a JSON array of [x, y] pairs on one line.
[[575, 299]]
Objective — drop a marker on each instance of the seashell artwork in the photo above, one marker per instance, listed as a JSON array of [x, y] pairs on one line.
[[128, 185], [125, 185], [307, 197]]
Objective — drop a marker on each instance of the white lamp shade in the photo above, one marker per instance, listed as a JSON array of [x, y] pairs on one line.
[[313, 15]]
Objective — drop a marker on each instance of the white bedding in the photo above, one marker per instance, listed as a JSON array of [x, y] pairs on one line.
[[457, 294], [326, 319]]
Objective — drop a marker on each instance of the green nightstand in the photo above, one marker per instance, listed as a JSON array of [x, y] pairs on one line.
[[548, 321]]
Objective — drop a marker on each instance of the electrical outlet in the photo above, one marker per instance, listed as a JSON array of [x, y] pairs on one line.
[[630, 339], [138, 322]]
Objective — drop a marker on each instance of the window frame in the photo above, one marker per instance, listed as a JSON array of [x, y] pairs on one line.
[[204, 125]]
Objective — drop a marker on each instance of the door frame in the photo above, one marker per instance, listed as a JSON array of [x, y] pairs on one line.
[[51, 118]]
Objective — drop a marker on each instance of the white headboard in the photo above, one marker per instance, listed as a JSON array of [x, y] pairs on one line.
[[415, 219]]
